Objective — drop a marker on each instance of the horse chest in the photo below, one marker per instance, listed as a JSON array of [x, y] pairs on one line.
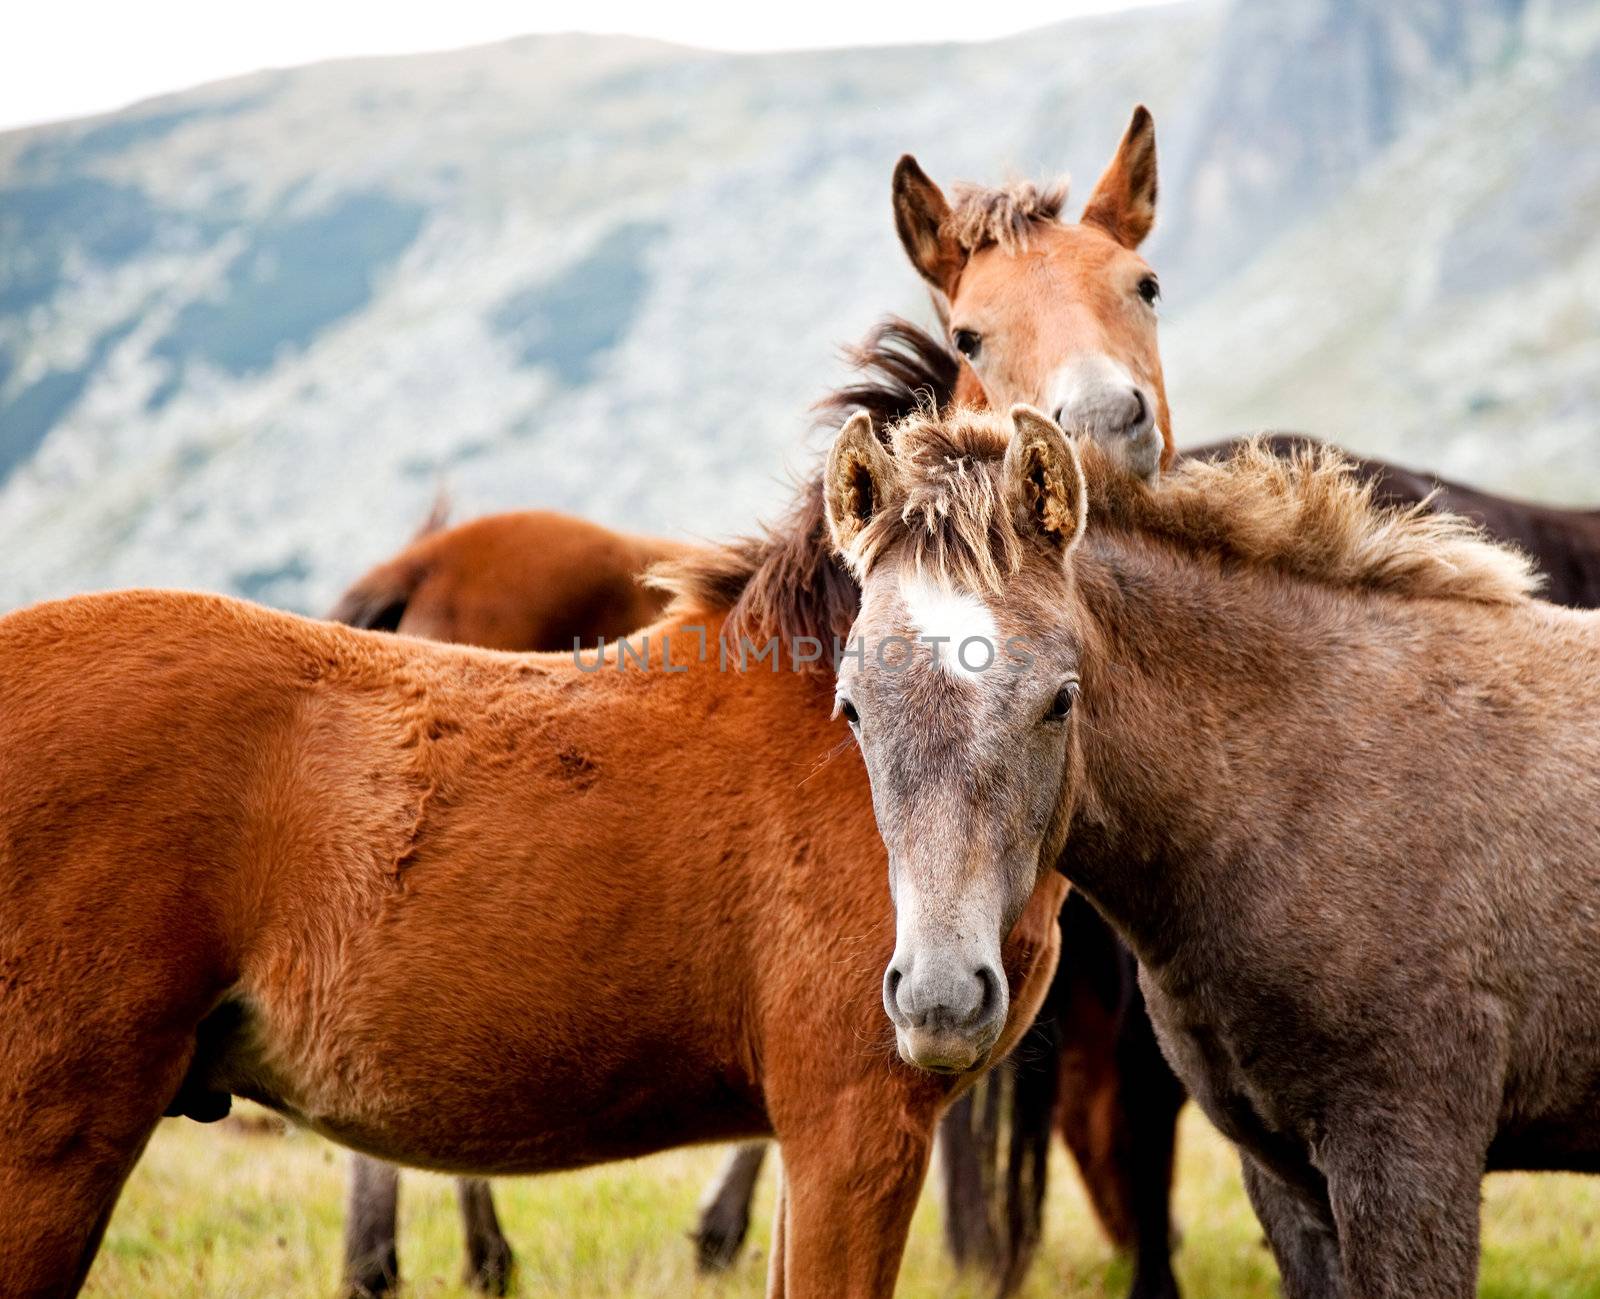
[[1246, 1101]]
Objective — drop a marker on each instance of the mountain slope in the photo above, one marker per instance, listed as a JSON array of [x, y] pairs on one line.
[[246, 331]]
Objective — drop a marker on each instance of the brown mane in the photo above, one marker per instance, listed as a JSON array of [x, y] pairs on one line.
[[787, 582], [1004, 216], [1307, 514]]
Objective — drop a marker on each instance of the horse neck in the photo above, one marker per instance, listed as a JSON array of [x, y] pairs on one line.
[[1229, 718]]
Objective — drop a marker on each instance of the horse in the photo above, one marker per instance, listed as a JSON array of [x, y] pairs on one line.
[[452, 907], [1327, 766]]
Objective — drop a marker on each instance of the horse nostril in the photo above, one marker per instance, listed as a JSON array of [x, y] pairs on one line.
[[1140, 410], [891, 986], [989, 997]]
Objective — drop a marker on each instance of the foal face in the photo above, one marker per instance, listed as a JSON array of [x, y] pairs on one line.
[[962, 707], [1060, 316], [1071, 326]]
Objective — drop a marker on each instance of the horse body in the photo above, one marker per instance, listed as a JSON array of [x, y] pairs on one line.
[[1366, 946], [1332, 775], [457, 908], [523, 580]]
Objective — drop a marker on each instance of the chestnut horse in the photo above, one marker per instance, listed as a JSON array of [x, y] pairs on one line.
[[457, 908], [1239, 691]]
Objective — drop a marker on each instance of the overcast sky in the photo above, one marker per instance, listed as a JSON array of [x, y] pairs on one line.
[[68, 58]]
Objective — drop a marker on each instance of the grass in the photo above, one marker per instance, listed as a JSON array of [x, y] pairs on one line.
[[243, 1209]]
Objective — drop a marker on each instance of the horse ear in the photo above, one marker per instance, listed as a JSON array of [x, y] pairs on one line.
[[1044, 478], [855, 484], [921, 215], [1124, 200]]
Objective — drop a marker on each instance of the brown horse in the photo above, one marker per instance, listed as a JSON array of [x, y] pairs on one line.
[[1233, 697], [1058, 313], [456, 908]]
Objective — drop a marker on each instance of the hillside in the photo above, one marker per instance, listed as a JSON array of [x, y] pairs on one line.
[[247, 331]]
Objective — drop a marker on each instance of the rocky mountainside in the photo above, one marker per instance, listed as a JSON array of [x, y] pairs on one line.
[[248, 331]]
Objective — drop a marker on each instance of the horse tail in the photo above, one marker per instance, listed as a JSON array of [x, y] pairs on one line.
[[994, 1156], [378, 600]]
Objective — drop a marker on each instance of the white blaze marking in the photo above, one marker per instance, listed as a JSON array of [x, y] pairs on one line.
[[953, 617]]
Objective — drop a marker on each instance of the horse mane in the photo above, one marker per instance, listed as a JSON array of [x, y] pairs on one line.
[[1307, 513], [1005, 215], [786, 581]]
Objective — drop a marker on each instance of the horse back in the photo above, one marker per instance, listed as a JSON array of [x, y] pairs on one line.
[[526, 580]]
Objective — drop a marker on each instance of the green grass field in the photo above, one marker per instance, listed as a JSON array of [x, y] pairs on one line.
[[241, 1209]]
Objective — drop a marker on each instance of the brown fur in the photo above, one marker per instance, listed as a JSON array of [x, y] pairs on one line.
[[1005, 217], [362, 861], [1307, 514], [530, 580]]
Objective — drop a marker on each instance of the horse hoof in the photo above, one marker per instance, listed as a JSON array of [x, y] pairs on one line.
[[491, 1274], [719, 1237], [375, 1285], [1164, 1288]]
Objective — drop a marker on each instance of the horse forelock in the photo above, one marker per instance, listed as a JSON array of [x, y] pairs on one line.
[[949, 503], [1005, 215]]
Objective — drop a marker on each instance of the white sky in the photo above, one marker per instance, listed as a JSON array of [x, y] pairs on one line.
[[68, 58]]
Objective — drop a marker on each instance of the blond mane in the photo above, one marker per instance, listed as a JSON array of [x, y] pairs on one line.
[[1307, 513], [1003, 216]]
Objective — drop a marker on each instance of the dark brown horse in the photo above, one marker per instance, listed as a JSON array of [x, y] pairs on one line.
[[1093, 1061], [1326, 765]]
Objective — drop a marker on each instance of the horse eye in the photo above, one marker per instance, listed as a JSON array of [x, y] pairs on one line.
[[967, 343], [849, 711], [1061, 705], [1149, 290]]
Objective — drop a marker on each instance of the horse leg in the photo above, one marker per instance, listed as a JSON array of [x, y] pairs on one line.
[[489, 1256], [1119, 1099], [1094, 1129], [1088, 998], [1301, 1234], [850, 1188], [56, 1198], [725, 1210], [76, 1110], [1150, 1098], [371, 1258], [1405, 1194], [775, 1258]]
